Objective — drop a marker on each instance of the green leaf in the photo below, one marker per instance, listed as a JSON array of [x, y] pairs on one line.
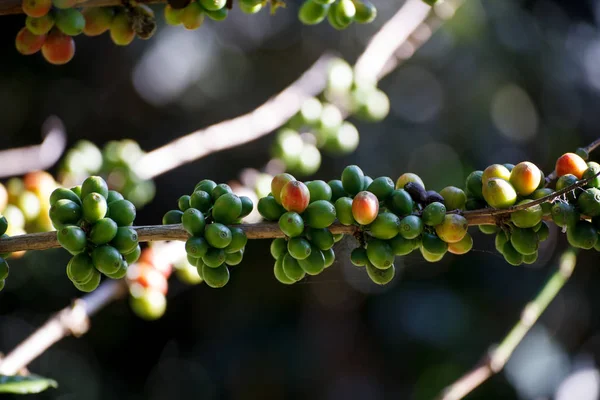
[[25, 384]]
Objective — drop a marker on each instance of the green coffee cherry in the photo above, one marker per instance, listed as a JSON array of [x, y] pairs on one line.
[[359, 258], [380, 254], [292, 269], [291, 224], [234, 258], [385, 226], [298, 247], [319, 190], [582, 235], [401, 246], [62, 193], [278, 248], [238, 240], [106, 259], [94, 184], [269, 209], [3, 269], [527, 218], [220, 190], [280, 274], [410, 227], [90, 285], [172, 217], [381, 187], [400, 202], [214, 257], [133, 255], [322, 238], [218, 235], [123, 213], [312, 13], [379, 276], [183, 203], [193, 222], [365, 11], [205, 185], [72, 238], [227, 208], [352, 179], [337, 189], [113, 195], [314, 263], [125, 240], [525, 241], [201, 200], [65, 212], [433, 214], [320, 214], [196, 247], [343, 210], [94, 207]]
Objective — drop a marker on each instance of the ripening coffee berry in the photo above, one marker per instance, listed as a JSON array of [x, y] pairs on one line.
[[97, 20], [570, 163], [380, 276], [295, 196], [121, 30], [365, 208], [408, 177], [385, 226], [525, 178], [70, 21], [40, 25], [172, 15], [527, 218], [454, 198], [463, 246], [36, 8], [499, 193], [495, 171], [94, 184], [193, 16], [365, 11], [212, 5], [94, 207], [27, 43], [453, 228]]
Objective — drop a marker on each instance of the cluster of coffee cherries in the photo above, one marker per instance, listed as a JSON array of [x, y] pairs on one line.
[[147, 280], [505, 185], [51, 25], [339, 13], [94, 225], [319, 125], [213, 246], [24, 203], [3, 263], [305, 249], [191, 14], [115, 162]]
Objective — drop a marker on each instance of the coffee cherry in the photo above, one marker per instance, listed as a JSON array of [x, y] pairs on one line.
[[431, 257], [214, 257], [408, 177], [40, 25], [196, 247], [70, 21], [527, 218], [64, 212], [250, 9], [411, 227], [365, 207], [582, 235], [36, 8], [570, 163], [329, 255], [247, 206], [379, 276], [72, 238], [319, 190], [3, 224], [90, 285], [433, 214], [148, 304], [454, 198], [312, 13], [530, 258], [218, 235], [62, 193], [313, 264], [381, 187], [592, 172], [358, 257], [453, 228], [488, 229], [183, 203], [525, 241], [353, 179], [94, 184], [121, 30], [227, 208], [238, 240], [365, 11], [173, 16], [495, 171], [279, 273], [121, 272], [142, 21], [525, 178], [298, 247], [543, 231], [564, 214], [463, 246], [337, 189], [498, 193], [133, 255], [385, 226], [269, 209], [343, 211], [97, 20], [234, 258], [172, 217], [320, 214], [4, 270], [106, 259], [278, 248], [380, 254], [193, 16], [27, 43], [292, 269], [94, 207], [201, 200], [433, 244], [80, 268], [321, 238], [538, 194], [125, 240], [291, 224], [589, 202], [344, 11], [295, 196], [474, 184], [566, 181], [113, 195], [511, 255], [401, 246]]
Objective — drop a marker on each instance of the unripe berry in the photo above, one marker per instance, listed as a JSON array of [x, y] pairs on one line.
[[365, 11], [453, 228], [27, 43], [408, 177], [70, 21], [40, 25], [312, 13], [58, 48], [36, 8], [64, 4], [97, 20], [121, 31], [212, 5], [498, 193], [172, 15], [495, 171]]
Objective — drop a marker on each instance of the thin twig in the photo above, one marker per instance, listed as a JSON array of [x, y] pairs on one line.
[[497, 358], [19, 161]]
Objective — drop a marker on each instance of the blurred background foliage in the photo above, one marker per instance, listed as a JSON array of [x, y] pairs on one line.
[[502, 81]]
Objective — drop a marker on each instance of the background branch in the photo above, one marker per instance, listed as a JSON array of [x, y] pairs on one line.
[[497, 358], [22, 160]]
